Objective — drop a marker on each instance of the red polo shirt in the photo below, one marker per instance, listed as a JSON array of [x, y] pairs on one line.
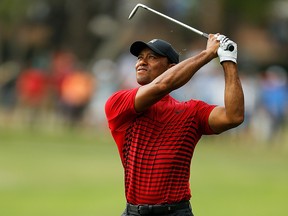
[[157, 145]]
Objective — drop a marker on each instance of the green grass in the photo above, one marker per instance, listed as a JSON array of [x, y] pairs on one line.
[[78, 173], [240, 180]]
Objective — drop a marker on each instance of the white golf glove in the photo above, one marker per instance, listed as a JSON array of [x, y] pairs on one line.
[[223, 51]]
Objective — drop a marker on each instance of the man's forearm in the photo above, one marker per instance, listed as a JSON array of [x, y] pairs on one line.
[[234, 97], [181, 73]]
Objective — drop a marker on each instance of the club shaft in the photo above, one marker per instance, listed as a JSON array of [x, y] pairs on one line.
[[175, 21], [230, 47]]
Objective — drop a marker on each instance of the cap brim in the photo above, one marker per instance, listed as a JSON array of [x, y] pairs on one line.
[[138, 46]]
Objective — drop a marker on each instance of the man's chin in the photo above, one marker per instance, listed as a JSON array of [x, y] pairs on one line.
[[143, 81]]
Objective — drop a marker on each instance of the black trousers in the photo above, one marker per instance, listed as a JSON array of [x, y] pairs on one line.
[[187, 211]]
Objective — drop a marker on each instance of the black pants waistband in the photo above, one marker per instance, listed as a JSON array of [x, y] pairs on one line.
[[157, 209]]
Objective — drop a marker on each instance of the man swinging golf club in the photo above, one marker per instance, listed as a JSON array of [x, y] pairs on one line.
[[156, 134]]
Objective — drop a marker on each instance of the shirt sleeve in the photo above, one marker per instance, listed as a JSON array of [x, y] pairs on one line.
[[120, 110], [203, 113]]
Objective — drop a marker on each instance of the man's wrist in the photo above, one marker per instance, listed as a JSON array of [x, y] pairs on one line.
[[229, 66], [209, 54]]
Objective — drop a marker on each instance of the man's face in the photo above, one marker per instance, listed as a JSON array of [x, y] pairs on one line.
[[149, 66]]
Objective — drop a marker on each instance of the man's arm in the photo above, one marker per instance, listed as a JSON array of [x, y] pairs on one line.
[[232, 114], [175, 76]]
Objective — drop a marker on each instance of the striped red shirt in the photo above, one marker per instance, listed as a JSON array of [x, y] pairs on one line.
[[156, 146]]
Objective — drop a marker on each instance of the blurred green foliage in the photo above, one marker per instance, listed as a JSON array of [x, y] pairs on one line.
[[71, 19], [256, 11], [12, 11]]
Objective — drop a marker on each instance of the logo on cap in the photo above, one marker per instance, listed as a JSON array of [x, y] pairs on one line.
[[153, 41]]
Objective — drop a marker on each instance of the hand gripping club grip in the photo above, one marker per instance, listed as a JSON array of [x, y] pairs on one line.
[[230, 47]]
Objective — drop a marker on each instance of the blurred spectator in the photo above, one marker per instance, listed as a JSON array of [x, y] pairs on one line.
[[31, 92], [63, 63], [273, 102], [126, 71], [9, 73], [75, 91], [107, 79], [251, 91], [32, 87]]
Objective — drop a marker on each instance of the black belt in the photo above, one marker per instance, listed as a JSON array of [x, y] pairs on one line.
[[157, 209]]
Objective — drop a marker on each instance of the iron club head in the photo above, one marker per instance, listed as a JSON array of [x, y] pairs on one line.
[[133, 12]]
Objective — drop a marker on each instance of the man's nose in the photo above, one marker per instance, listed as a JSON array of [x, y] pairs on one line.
[[143, 61]]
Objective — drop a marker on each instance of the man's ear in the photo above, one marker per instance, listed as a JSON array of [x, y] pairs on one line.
[[171, 65]]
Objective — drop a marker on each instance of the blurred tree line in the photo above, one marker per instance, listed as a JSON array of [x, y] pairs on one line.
[[65, 23], [44, 42]]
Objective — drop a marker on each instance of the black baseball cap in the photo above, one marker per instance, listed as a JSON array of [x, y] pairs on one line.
[[159, 46]]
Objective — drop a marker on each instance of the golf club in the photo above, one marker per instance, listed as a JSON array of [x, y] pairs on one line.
[[230, 47]]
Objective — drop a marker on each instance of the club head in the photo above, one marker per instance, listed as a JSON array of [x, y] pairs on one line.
[[133, 12]]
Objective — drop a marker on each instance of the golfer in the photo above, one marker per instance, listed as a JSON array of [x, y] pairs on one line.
[[156, 135]]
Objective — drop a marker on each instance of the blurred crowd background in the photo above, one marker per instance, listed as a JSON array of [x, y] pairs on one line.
[[61, 59]]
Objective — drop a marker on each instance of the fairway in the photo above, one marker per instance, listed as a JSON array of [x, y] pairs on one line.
[[76, 173]]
